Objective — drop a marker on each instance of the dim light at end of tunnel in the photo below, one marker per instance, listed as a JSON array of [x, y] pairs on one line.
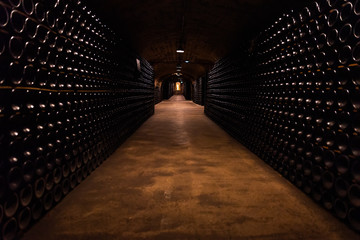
[[178, 86]]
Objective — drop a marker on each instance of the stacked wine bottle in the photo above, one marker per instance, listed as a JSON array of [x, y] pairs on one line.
[[70, 92], [294, 100], [198, 90]]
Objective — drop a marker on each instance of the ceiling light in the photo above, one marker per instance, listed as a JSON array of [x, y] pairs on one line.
[[180, 50], [187, 61]]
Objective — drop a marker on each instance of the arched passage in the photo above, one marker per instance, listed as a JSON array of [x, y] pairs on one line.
[[77, 80], [177, 84]]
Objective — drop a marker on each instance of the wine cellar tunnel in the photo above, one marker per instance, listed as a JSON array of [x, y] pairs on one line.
[[184, 119], [176, 86]]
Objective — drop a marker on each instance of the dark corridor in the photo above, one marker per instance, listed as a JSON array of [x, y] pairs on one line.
[[151, 119]]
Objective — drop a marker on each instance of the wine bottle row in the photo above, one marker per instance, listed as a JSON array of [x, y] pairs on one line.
[[294, 100], [198, 94], [70, 93]]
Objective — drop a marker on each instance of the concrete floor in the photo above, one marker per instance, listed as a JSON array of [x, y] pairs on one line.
[[180, 176]]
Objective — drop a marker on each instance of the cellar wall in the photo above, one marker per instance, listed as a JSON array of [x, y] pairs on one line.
[[294, 100], [70, 93]]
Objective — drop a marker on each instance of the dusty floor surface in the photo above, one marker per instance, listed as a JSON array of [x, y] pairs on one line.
[[182, 177]]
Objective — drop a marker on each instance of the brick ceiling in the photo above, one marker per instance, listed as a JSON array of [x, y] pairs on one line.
[[210, 29]]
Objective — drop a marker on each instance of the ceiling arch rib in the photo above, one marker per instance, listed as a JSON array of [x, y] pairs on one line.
[[192, 70]]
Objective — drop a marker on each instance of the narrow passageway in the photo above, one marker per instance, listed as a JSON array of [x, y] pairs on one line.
[[180, 176], [177, 98]]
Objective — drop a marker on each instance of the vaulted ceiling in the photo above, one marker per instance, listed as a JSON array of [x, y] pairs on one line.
[[208, 29]]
